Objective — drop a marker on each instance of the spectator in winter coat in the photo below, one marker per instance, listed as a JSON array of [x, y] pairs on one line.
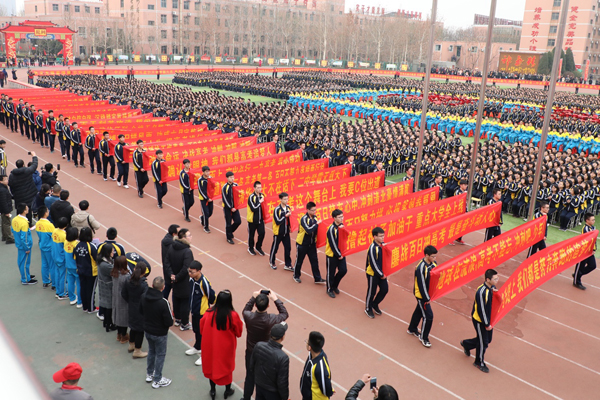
[[165, 245], [6, 208], [40, 198], [62, 208], [271, 366], [83, 219], [21, 183], [53, 198], [120, 274], [37, 178], [133, 291], [105, 286], [49, 175], [177, 262]]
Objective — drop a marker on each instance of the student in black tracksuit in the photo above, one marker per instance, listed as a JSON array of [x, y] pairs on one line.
[[161, 187], [335, 260], [232, 215], [541, 245], [306, 244], [93, 153], [462, 188], [281, 233], [256, 222], [206, 202], [494, 231], [482, 310], [51, 137], [77, 148], [106, 157], [122, 166], [141, 175], [421, 291], [40, 126], [375, 277], [589, 264], [187, 193]]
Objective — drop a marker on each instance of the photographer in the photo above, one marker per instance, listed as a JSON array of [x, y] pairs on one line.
[[49, 175], [384, 392]]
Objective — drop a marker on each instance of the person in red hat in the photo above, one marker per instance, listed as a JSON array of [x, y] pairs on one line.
[[69, 376]]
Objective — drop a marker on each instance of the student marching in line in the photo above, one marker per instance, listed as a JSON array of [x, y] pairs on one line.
[[256, 222], [421, 291], [206, 202], [187, 193], [281, 233], [589, 264], [336, 263], [306, 244], [375, 277]]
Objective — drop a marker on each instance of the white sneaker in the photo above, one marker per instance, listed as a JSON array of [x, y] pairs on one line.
[[149, 378], [198, 361], [118, 183], [162, 383], [126, 186], [100, 317], [73, 302], [79, 305], [192, 351]]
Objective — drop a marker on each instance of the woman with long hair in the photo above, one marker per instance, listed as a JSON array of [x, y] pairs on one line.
[[105, 285], [132, 293], [85, 254], [120, 275], [220, 327]]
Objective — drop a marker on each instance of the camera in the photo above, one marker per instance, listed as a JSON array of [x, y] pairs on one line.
[[58, 167], [28, 153], [265, 291]]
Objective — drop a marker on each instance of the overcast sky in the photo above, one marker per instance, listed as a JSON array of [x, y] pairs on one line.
[[454, 13]]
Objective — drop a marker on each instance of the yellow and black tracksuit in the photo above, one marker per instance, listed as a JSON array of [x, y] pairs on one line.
[[315, 383], [589, 264], [482, 309], [202, 296], [207, 206], [541, 245], [375, 277], [281, 235], [161, 188], [187, 193], [77, 150], [306, 245], [336, 267], [232, 219], [107, 159], [141, 177], [493, 231], [93, 153], [422, 311], [256, 221], [122, 166]]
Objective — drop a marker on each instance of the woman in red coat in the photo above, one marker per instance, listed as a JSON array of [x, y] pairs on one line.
[[220, 327]]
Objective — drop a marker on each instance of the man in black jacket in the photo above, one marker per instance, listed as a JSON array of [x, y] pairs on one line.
[[62, 208], [165, 245], [271, 366], [176, 267], [49, 175], [21, 183], [157, 320], [6, 208]]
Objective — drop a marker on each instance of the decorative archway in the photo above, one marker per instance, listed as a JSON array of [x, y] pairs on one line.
[[38, 30]]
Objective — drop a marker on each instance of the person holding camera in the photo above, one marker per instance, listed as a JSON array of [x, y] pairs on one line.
[[384, 392], [258, 328]]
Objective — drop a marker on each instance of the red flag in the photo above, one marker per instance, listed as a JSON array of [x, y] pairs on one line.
[[44, 52]]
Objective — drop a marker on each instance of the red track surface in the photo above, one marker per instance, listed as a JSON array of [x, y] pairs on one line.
[[547, 347]]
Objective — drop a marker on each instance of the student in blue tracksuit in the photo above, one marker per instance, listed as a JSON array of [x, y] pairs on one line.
[[24, 243], [44, 230], [58, 254], [315, 383], [73, 283]]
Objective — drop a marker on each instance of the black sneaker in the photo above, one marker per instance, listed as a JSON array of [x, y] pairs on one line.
[[579, 286], [288, 268], [336, 290], [273, 266], [46, 285], [465, 350], [320, 282], [160, 206], [331, 294], [187, 219], [415, 334], [140, 195], [251, 251], [376, 310], [259, 251], [297, 280], [207, 230], [482, 368], [369, 314], [426, 343], [230, 241], [31, 282]]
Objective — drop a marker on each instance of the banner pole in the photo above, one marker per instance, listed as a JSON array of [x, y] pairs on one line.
[[548, 111], [480, 105], [417, 174]]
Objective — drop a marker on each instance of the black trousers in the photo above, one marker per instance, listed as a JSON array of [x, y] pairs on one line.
[[107, 313], [51, 142], [287, 249], [196, 328], [539, 246], [161, 191], [336, 269], [123, 172], [492, 232], [33, 131], [479, 343], [252, 229], [583, 268], [374, 296], [232, 222], [88, 289], [136, 337], [311, 252], [94, 155], [27, 128], [181, 309], [422, 311], [11, 122], [40, 135], [188, 202], [78, 155], [141, 179], [249, 381], [263, 394], [21, 125], [106, 160], [207, 211]]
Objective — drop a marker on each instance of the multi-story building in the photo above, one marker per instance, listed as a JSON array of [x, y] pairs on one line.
[[468, 54]]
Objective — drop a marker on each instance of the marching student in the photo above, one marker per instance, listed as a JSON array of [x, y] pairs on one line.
[[187, 193], [232, 215], [202, 296], [375, 277], [141, 175], [59, 127], [462, 188], [58, 254], [541, 245], [306, 244], [255, 219], [281, 232], [122, 166], [40, 126], [482, 310], [76, 141], [335, 260], [494, 231], [421, 291], [161, 187], [206, 203], [44, 230], [23, 242], [589, 264], [107, 158], [93, 152], [73, 282], [50, 132], [315, 382], [3, 158]]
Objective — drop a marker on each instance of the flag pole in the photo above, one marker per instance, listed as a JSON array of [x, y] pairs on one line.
[[548, 111]]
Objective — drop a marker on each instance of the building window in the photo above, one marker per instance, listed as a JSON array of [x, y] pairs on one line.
[[218, 22], [163, 34], [66, 8], [245, 24], [122, 3], [473, 49], [175, 19], [556, 3], [206, 6], [227, 23], [197, 37], [217, 8], [197, 21], [438, 47], [554, 16], [77, 8], [553, 28], [81, 31], [54, 7], [163, 19], [150, 6], [163, 3], [186, 20], [186, 5], [108, 32], [196, 50], [150, 39], [87, 9], [163, 49], [551, 42], [81, 50], [35, 8], [97, 10], [151, 23], [197, 6], [175, 3]]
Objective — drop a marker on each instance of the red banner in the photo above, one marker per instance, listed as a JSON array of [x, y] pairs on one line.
[[355, 237], [472, 264], [326, 192], [245, 168], [540, 268], [402, 252], [170, 169], [83, 115], [170, 132], [287, 182]]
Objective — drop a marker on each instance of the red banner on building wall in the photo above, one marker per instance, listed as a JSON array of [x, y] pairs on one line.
[[540, 268], [356, 237], [402, 252], [472, 264]]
